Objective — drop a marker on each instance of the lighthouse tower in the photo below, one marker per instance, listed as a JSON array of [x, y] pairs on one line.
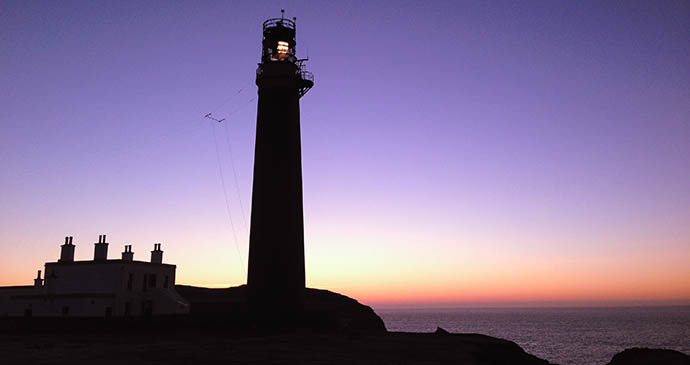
[[276, 241]]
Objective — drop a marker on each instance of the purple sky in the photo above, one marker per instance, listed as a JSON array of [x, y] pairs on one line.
[[460, 144]]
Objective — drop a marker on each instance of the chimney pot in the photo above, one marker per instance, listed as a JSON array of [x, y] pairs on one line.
[[100, 252], [157, 254], [67, 251], [38, 282], [128, 255]]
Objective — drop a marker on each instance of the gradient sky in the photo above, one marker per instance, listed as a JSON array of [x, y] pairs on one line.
[[454, 153]]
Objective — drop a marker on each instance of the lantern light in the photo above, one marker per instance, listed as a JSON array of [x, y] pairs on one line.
[[283, 47]]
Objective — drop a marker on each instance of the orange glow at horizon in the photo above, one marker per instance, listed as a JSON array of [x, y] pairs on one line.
[[387, 270], [508, 279]]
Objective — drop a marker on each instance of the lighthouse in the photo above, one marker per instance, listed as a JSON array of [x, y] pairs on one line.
[[275, 277]]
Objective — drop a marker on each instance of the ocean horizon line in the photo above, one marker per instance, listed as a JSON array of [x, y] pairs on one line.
[[535, 306]]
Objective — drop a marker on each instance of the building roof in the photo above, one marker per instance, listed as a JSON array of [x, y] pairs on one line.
[[108, 262], [16, 287]]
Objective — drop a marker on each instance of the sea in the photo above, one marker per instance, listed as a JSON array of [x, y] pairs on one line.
[[560, 335]]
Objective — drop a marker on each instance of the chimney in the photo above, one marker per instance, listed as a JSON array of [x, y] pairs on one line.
[[67, 252], [38, 282], [100, 252], [157, 254], [128, 255]]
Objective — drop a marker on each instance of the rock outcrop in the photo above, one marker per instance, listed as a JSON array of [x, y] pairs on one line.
[[645, 356], [323, 309]]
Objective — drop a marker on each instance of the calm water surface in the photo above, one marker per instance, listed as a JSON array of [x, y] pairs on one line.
[[561, 335]]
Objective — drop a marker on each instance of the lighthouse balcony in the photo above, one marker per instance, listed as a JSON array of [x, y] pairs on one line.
[[285, 74], [279, 22], [306, 82]]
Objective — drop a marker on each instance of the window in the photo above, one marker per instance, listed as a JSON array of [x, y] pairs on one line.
[[65, 310], [145, 281], [147, 308], [166, 282], [130, 280], [152, 280]]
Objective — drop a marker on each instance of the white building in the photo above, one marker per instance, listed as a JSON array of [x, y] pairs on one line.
[[98, 288]]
